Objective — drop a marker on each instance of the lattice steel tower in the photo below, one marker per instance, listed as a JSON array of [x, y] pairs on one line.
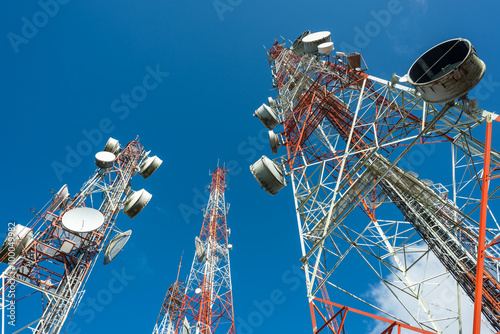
[[207, 306], [348, 136], [55, 253], [170, 308]]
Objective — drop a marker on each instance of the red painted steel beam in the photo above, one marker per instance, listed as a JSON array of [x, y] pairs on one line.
[[373, 316], [482, 231]]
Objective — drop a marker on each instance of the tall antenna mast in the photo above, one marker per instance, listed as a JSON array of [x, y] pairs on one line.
[[171, 306], [207, 306], [56, 252]]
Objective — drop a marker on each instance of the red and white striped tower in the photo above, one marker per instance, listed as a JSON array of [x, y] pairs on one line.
[[207, 307], [54, 254], [170, 308]]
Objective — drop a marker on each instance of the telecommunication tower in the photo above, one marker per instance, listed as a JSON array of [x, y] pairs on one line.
[[56, 251], [207, 306], [347, 135], [170, 308]]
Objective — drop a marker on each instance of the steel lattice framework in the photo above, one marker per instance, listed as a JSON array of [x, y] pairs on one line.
[[170, 308], [345, 134], [207, 306], [58, 262]]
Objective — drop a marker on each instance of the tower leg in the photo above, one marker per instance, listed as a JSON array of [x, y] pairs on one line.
[[482, 230]]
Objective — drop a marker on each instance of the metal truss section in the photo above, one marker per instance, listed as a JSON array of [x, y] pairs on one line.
[[346, 133], [170, 309]]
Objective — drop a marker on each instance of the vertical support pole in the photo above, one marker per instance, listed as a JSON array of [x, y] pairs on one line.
[[482, 230]]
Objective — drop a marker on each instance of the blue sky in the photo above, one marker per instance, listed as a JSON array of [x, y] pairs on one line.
[[198, 70]]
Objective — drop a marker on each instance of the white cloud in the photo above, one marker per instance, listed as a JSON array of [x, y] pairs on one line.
[[439, 293]]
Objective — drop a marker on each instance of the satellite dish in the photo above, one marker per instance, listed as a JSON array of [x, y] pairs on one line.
[[149, 166], [116, 245], [312, 41], [82, 220], [269, 174], [60, 199], [297, 46], [136, 202], [200, 251], [20, 237], [446, 71], [112, 146], [104, 159], [274, 141], [198, 290], [267, 116], [271, 102], [325, 48]]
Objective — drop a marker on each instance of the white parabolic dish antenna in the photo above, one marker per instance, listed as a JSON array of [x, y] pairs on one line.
[[267, 116], [273, 141], [198, 290], [312, 41], [82, 220], [269, 174], [136, 202], [116, 245], [325, 48], [19, 239], [149, 166], [104, 159], [112, 146], [59, 199]]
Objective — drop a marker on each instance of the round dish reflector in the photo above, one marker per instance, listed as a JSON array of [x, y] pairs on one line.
[[112, 146], [20, 238], [269, 174], [82, 220], [447, 71], [136, 202], [274, 141], [325, 48], [267, 116], [104, 159], [312, 41], [271, 102], [60, 199], [116, 245], [149, 166], [297, 45]]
